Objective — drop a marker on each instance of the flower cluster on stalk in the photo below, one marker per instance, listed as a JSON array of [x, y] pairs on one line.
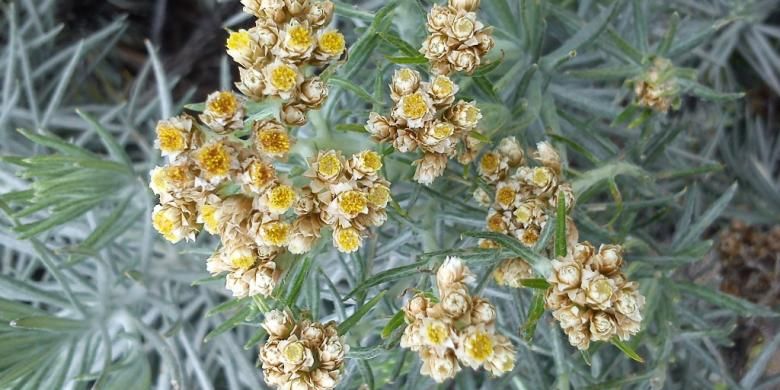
[[426, 117], [301, 355], [459, 329], [658, 88], [457, 41], [289, 37], [591, 298]]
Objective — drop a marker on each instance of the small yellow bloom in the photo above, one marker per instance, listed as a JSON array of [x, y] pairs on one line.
[[284, 77], [214, 159], [332, 42], [352, 203], [489, 162], [541, 176], [273, 139], [379, 196], [436, 332], [505, 196], [261, 173], [414, 106], [224, 104], [299, 38], [442, 86], [329, 165], [165, 223], [523, 213], [209, 215], [372, 161], [276, 233], [495, 223], [346, 240], [242, 259], [170, 139], [443, 130], [479, 346], [239, 40], [280, 199]]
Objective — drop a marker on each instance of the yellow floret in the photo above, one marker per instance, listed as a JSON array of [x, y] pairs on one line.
[[224, 104], [489, 163], [214, 159], [276, 233], [284, 77], [443, 86], [239, 40], [352, 202], [208, 213], [479, 346], [379, 196], [273, 141], [165, 225], [372, 161], [436, 333], [414, 106], [170, 139], [347, 240], [332, 42], [299, 38], [261, 173], [443, 130], [281, 198], [329, 165], [505, 196]]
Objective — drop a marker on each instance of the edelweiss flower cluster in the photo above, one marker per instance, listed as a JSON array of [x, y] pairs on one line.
[[524, 195], [289, 35], [229, 186], [457, 40], [426, 117], [348, 195], [657, 88], [591, 298], [302, 356], [459, 329]]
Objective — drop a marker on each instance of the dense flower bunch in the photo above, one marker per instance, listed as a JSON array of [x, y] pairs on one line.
[[288, 37], [348, 195], [524, 195], [301, 355], [457, 40], [426, 117], [459, 329], [658, 88], [591, 298]]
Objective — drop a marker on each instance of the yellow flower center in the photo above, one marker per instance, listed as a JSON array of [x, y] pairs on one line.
[[489, 163], [332, 42], [209, 215], [214, 159], [442, 86], [243, 262], [178, 175], [372, 161], [284, 77], [347, 240], [352, 202], [406, 75], [164, 224], [530, 236], [261, 173], [329, 165], [379, 196], [569, 274], [479, 346], [472, 114], [541, 176], [601, 290], [495, 223], [239, 40], [281, 198], [443, 130], [414, 106], [523, 214], [274, 141], [436, 333], [276, 233], [463, 27], [505, 196], [170, 138], [224, 104], [299, 38], [293, 352]]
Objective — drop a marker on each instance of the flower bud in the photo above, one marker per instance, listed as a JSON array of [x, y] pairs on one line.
[[466, 5], [278, 323]]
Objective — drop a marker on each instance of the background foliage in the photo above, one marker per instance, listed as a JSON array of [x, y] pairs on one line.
[[91, 297]]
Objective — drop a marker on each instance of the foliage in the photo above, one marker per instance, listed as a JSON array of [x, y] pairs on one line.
[[91, 297]]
